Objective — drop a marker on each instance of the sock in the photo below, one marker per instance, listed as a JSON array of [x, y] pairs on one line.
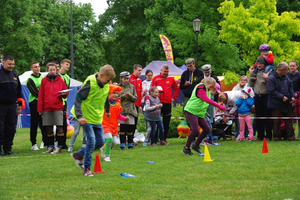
[[122, 145], [129, 144], [108, 144]]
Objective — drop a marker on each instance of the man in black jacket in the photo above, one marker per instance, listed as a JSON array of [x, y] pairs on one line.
[[189, 79], [10, 92]]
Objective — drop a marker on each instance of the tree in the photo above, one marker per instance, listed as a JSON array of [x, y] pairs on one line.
[[174, 19], [260, 23], [122, 29], [19, 36]]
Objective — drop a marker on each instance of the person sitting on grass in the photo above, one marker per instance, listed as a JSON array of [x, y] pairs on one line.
[[90, 102], [195, 110], [110, 125]]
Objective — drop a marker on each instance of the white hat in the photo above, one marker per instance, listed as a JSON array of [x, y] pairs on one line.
[[206, 68]]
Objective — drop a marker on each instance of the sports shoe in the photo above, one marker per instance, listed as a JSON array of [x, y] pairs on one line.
[[42, 145], [57, 150], [153, 144], [87, 172], [187, 151], [35, 148], [163, 143], [9, 153], [78, 160], [122, 148], [70, 149], [131, 147], [64, 146], [106, 158], [196, 148], [102, 153], [49, 150], [253, 78], [145, 144]]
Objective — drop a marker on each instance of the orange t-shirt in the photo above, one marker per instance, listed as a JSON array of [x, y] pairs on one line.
[[111, 125]]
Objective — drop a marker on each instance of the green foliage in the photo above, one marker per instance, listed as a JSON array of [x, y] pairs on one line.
[[176, 112], [230, 77], [260, 23]]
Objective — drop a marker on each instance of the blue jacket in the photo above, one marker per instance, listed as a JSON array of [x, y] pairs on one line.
[[244, 105], [278, 87]]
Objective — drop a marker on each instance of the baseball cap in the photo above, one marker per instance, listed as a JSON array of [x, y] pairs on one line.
[[206, 68], [125, 74], [218, 88], [160, 88]]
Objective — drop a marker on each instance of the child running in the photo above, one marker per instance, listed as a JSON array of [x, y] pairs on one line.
[[195, 110], [152, 116], [90, 102], [110, 125], [244, 104], [50, 105]]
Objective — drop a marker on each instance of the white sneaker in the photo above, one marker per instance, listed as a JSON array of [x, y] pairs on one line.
[[35, 148], [102, 153], [42, 145], [70, 149], [106, 158]]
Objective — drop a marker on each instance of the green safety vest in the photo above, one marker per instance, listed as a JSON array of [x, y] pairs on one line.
[[195, 105], [37, 82], [66, 79], [93, 106]]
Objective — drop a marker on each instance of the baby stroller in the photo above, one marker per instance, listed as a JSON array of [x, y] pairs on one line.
[[223, 125]]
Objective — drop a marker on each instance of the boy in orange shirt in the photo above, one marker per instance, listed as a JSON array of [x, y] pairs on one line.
[[110, 125]]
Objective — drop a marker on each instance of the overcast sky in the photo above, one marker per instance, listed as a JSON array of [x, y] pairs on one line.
[[99, 6]]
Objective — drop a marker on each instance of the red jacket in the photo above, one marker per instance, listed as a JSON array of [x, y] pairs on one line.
[[167, 84], [49, 98], [138, 88], [269, 59]]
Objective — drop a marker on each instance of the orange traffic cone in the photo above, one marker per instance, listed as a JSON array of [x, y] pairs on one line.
[[265, 147], [97, 167], [207, 157]]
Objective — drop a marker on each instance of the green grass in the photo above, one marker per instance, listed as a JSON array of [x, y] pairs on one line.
[[239, 171]]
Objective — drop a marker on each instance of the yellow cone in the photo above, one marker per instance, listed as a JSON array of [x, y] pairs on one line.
[[206, 155]]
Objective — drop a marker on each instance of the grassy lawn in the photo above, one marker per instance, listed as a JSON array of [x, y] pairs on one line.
[[239, 171]]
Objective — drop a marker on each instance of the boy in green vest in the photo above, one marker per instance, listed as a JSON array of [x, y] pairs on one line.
[[90, 102], [33, 85], [64, 68]]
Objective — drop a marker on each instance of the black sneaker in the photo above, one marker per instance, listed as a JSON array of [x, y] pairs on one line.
[[64, 146], [187, 151], [122, 148], [9, 153], [196, 148], [1, 154], [131, 147]]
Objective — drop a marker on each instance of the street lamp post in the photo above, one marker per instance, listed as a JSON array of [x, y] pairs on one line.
[[196, 25], [71, 31]]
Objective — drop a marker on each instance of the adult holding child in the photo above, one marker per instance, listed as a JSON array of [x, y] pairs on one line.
[[280, 100], [167, 83], [195, 112], [261, 99]]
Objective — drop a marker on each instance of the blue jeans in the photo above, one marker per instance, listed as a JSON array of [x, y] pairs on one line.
[[267, 69], [75, 133], [94, 140], [160, 126]]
